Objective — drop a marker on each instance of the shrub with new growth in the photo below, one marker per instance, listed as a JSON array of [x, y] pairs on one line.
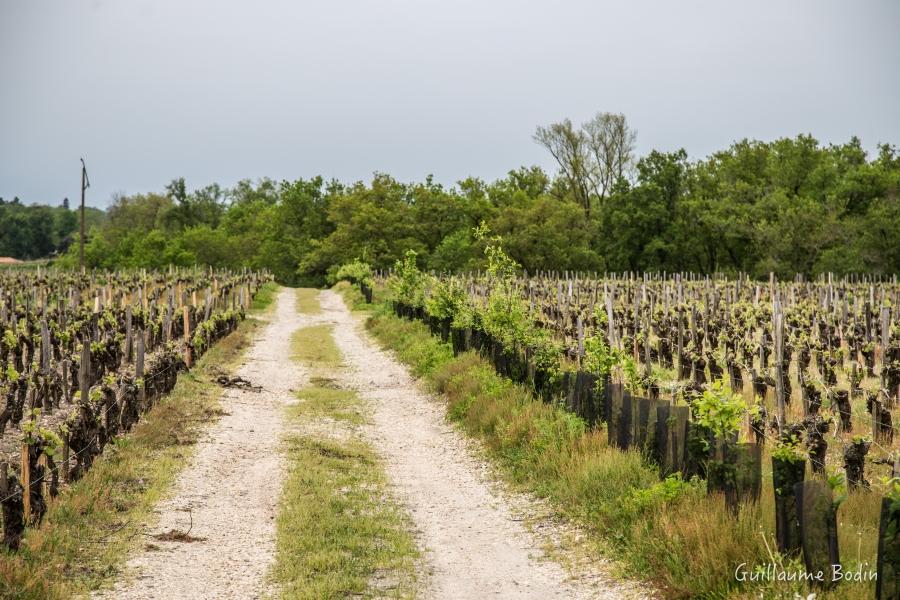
[[355, 271]]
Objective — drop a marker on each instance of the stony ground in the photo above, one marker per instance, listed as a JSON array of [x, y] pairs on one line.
[[473, 535]]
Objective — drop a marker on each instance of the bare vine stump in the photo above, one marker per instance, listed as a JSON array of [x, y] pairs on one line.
[[842, 407], [855, 462], [12, 496], [816, 428]]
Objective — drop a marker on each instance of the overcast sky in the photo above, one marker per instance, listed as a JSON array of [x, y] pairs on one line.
[[221, 90]]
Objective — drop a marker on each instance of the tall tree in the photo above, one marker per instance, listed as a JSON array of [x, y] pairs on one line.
[[570, 149], [611, 144]]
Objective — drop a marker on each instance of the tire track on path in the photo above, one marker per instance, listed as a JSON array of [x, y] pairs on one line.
[[228, 495], [472, 545]]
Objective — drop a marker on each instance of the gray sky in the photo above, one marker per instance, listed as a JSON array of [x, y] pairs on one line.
[[220, 90]]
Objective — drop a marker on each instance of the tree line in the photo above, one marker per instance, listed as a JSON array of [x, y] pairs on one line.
[[792, 205], [38, 231]]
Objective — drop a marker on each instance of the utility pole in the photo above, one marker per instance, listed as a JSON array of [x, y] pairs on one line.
[[85, 184]]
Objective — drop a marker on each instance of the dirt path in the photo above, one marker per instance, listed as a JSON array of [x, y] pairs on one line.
[[230, 490], [473, 546]]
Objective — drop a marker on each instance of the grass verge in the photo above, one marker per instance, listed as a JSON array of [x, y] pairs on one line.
[[306, 302], [92, 525], [352, 296], [338, 532], [668, 532], [264, 300]]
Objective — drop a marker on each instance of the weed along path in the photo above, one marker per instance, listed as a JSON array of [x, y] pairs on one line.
[[215, 537], [473, 546]]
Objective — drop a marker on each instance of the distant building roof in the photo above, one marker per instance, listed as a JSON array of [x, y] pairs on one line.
[[7, 260]]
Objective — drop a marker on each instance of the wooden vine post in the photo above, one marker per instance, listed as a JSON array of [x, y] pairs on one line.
[[44, 462], [885, 344], [580, 333], [804, 397], [84, 370], [187, 335], [647, 366], [26, 483], [678, 317], [64, 461], [139, 369], [610, 317], [126, 356], [779, 366], [876, 404]]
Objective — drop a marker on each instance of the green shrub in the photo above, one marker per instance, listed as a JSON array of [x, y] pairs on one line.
[[355, 271]]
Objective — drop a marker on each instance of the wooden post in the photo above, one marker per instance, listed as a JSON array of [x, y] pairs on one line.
[[126, 358], [64, 463], [580, 328], [804, 399], [867, 313], [66, 384], [26, 483], [45, 347], [647, 366], [84, 186], [44, 462], [885, 343], [208, 305], [875, 411], [694, 337], [610, 317], [187, 336], [139, 370], [84, 370], [779, 371], [680, 372]]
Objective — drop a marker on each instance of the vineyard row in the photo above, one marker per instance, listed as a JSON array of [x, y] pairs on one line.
[[84, 356], [706, 377]]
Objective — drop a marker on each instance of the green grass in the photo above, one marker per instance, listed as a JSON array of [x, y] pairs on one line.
[[314, 345], [265, 298], [92, 525], [669, 533], [339, 533], [319, 401], [352, 296], [306, 301]]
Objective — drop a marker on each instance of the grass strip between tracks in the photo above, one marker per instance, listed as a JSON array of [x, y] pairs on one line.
[[339, 532]]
